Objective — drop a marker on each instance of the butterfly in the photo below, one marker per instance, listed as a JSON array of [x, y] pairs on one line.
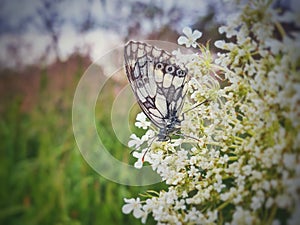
[[158, 83]]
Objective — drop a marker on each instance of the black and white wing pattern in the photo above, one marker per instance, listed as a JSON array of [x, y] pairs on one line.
[[158, 84]]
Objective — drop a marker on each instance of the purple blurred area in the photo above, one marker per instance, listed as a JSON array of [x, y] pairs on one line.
[[42, 31]]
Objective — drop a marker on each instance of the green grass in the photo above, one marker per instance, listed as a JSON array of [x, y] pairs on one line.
[[44, 179]]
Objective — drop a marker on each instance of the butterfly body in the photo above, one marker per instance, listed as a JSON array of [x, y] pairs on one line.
[[158, 83]]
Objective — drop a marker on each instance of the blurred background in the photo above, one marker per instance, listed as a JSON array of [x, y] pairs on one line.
[[45, 47]]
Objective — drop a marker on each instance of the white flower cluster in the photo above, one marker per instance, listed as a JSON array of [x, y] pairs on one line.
[[240, 162]]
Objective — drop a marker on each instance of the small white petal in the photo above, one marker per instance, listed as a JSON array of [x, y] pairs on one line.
[[194, 45], [138, 164], [141, 117], [127, 208], [219, 44], [182, 40], [137, 213], [187, 31], [196, 35]]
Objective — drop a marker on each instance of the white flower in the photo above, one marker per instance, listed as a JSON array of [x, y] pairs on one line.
[[156, 159], [183, 59], [229, 30], [226, 46], [274, 45], [133, 205], [139, 163], [135, 141], [225, 196], [212, 216], [180, 205], [219, 186], [177, 142], [193, 215], [223, 159], [247, 169], [289, 161], [241, 216], [148, 135], [190, 37], [238, 198], [141, 156], [283, 201], [220, 44], [256, 203], [141, 121]]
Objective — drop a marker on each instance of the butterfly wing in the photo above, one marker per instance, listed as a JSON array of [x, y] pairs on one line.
[[156, 80]]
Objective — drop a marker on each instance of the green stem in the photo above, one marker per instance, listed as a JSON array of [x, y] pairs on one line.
[[223, 205], [233, 158], [272, 215], [280, 29]]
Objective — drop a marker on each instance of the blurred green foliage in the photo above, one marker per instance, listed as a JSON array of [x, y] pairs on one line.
[[44, 179]]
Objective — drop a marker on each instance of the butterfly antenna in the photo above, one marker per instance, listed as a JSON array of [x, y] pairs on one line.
[[131, 151], [143, 158]]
